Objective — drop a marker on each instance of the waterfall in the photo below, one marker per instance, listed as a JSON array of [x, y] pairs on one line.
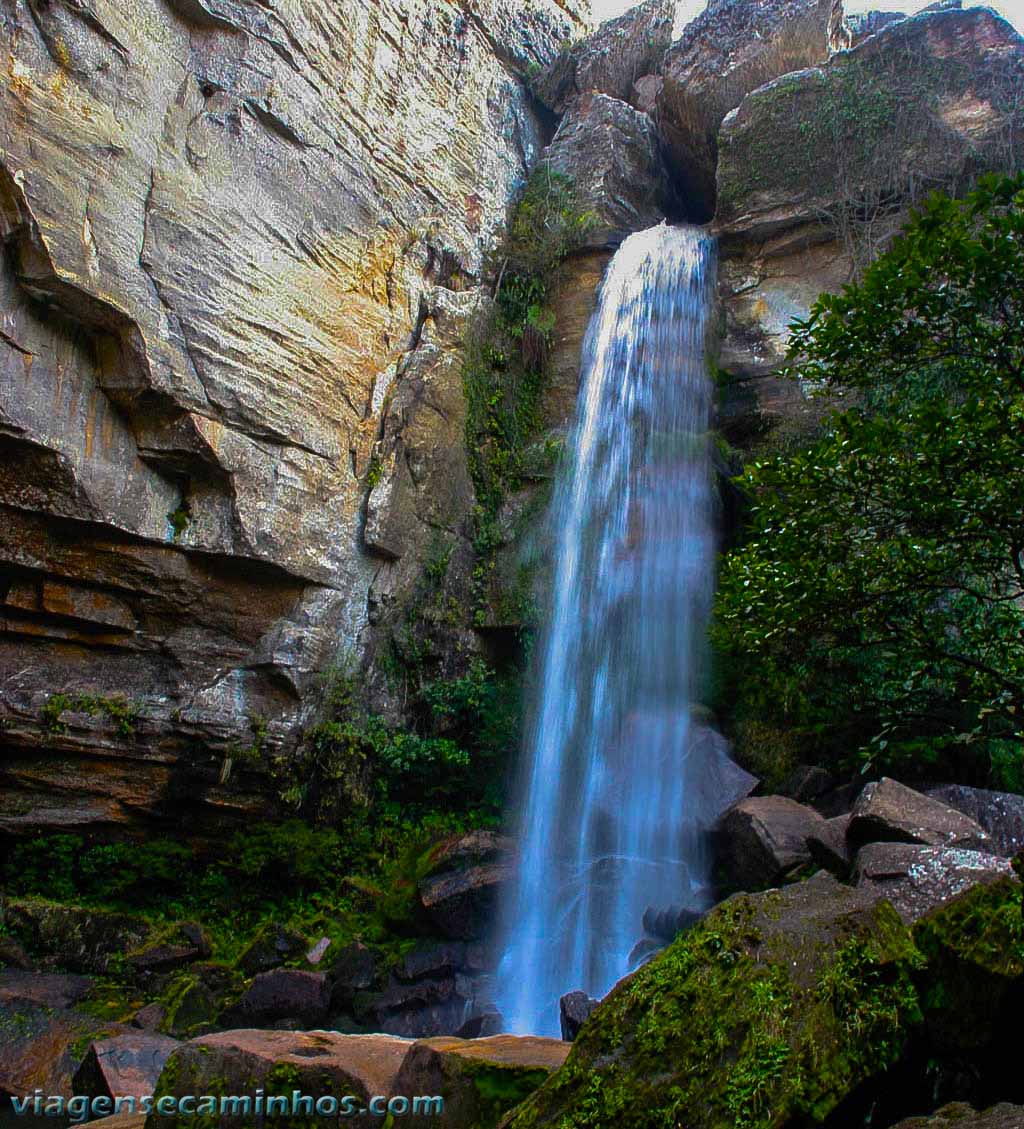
[[622, 776]]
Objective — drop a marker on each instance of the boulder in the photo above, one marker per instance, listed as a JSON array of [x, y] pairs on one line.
[[150, 1017], [764, 838], [859, 26], [120, 1121], [959, 1115], [46, 989], [612, 154], [431, 959], [127, 1064], [432, 1005], [481, 1025], [461, 892], [479, 1079], [916, 879], [827, 846], [574, 1008], [280, 995], [273, 945], [73, 937], [972, 980], [39, 1041], [610, 59], [762, 1006], [184, 944], [889, 812], [730, 49], [317, 1063], [818, 168], [1001, 814], [667, 924], [807, 783], [354, 970]]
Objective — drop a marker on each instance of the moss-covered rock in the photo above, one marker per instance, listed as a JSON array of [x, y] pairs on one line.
[[478, 1079], [974, 947], [768, 1013], [76, 938]]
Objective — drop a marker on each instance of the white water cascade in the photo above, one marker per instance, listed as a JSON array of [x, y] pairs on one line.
[[622, 777]]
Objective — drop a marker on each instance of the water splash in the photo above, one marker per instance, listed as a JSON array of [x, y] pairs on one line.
[[621, 774]]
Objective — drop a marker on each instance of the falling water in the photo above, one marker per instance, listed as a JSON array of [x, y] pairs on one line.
[[623, 776]]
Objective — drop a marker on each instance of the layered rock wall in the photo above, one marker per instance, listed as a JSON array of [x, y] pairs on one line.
[[235, 234]]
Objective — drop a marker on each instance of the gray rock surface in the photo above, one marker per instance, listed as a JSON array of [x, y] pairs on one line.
[[613, 155], [226, 225], [280, 995], [917, 879], [609, 60], [573, 1010], [887, 811], [1001, 814], [127, 1064], [763, 838], [730, 49]]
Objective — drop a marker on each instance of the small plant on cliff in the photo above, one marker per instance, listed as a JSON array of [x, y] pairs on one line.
[[123, 713], [879, 599]]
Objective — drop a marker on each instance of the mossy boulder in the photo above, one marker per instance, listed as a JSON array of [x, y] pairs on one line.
[[768, 1013], [479, 1079], [321, 1064], [273, 945], [973, 984], [76, 938]]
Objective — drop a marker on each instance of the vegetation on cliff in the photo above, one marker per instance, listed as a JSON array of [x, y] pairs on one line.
[[876, 603]]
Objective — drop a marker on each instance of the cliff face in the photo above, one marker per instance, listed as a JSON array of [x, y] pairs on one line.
[[237, 238]]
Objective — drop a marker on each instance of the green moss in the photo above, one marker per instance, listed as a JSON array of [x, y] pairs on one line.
[[741, 1023], [123, 713], [178, 520], [500, 1088]]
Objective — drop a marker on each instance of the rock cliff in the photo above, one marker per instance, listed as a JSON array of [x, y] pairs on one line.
[[240, 243]]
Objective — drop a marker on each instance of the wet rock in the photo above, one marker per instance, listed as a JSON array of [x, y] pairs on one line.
[[481, 1026], [667, 924], [426, 1007], [461, 894], [730, 49], [574, 1008], [127, 1064], [479, 1079], [272, 946], [887, 811], [959, 1115], [279, 995], [1001, 814], [764, 838], [724, 985], [916, 879], [316, 1063], [612, 154], [610, 59], [73, 937], [431, 960]]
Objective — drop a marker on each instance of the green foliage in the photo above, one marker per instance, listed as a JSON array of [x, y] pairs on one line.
[[123, 713], [505, 358], [179, 519], [877, 601]]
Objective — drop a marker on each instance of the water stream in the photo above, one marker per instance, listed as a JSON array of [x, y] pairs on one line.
[[622, 774]]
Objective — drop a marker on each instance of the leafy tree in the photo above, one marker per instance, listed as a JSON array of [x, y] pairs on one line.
[[878, 601]]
